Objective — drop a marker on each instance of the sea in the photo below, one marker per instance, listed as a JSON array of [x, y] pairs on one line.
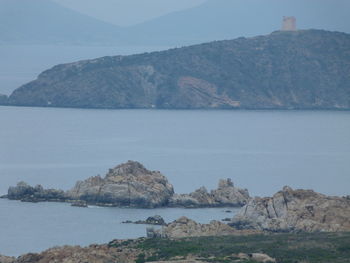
[[259, 150]]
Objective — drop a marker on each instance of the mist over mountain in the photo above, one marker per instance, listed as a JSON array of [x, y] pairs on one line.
[[227, 19], [46, 22]]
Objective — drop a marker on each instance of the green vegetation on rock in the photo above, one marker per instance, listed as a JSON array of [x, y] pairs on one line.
[[285, 248], [306, 69]]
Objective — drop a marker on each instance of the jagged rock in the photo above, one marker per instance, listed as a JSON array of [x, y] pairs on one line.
[[225, 195], [185, 227], [27, 193], [295, 210], [128, 184]]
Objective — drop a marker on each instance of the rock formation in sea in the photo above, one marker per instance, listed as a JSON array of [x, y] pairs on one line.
[[225, 195], [151, 220], [129, 184], [24, 192], [185, 227], [132, 185], [295, 210]]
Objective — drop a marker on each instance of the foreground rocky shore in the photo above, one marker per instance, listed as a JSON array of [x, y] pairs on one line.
[[273, 247], [295, 210], [132, 185], [291, 226]]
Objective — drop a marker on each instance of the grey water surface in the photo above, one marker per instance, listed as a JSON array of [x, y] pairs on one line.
[[259, 150]]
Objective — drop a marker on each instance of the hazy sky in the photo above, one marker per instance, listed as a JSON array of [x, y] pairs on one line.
[[128, 12]]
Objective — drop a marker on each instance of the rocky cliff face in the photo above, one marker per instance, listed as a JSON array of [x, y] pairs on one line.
[[128, 184], [305, 69], [225, 195], [295, 210]]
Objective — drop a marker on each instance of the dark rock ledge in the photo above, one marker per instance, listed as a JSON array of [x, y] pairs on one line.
[[132, 185]]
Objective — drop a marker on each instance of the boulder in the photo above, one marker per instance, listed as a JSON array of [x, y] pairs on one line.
[[225, 195], [128, 184], [295, 210]]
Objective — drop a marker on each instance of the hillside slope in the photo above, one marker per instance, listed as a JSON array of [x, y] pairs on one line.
[[284, 70]]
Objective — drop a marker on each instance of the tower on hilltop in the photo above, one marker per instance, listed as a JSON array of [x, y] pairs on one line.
[[289, 23]]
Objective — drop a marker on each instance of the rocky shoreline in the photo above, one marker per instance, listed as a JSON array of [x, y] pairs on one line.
[[271, 247], [295, 210], [131, 185]]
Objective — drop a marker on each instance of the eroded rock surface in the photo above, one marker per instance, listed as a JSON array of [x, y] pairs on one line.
[[295, 210], [225, 195], [185, 227], [128, 184]]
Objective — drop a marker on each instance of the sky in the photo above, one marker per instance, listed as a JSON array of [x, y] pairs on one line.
[[130, 12]]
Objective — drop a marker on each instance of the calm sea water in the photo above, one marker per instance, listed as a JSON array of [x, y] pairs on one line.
[[259, 150]]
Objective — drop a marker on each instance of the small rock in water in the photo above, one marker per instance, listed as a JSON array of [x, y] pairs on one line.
[[79, 204], [152, 220]]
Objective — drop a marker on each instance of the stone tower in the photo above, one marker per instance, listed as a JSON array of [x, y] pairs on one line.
[[289, 23]]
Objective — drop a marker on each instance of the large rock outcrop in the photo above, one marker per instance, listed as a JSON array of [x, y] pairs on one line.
[[185, 227], [128, 184], [306, 69], [225, 195], [295, 210], [131, 185]]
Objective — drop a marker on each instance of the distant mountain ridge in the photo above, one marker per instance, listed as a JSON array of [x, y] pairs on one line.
[[47, 22], [228, 19], [306, 69]]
